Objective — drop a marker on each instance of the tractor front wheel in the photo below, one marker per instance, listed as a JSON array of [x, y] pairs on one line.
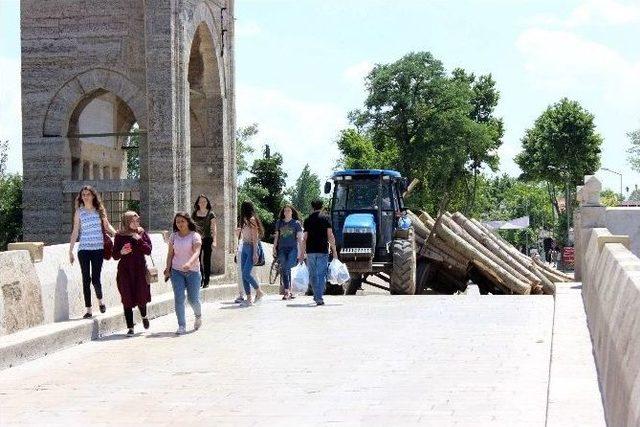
[[403, 275]]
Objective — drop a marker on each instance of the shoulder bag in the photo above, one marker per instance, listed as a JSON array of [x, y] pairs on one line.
[[108, 243]]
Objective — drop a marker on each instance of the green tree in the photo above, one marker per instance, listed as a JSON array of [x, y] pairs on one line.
[[634, 196], [426, 124], [306, 190], [561, 148], [505, 198], [633, 153], [265, 188], [243, 147], [610, 198], [10, 202]]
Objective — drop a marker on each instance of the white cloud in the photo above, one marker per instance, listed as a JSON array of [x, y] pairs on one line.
[[594, 13], [246, 29], [562, 61], [303, 132], [11, 111], [604, 12]]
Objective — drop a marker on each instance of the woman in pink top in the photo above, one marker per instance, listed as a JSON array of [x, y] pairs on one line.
[[183, 266]]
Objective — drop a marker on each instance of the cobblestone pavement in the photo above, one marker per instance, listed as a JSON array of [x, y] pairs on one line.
[[361, 360]]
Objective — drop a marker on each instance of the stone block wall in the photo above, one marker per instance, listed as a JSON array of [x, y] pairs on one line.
[[625, 221], [21, 303]]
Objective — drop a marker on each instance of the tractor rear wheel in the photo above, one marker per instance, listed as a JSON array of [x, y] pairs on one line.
[[403, 275]]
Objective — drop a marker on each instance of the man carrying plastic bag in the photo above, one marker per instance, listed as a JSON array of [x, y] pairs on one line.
[[300, 278], [338, 272]]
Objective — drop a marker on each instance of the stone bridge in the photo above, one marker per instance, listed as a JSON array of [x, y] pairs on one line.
[[370, 359]]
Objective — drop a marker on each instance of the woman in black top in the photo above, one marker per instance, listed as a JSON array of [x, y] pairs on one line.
[[205, 220]]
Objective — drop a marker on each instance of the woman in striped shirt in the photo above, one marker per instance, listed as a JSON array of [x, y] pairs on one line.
[[88, 221]]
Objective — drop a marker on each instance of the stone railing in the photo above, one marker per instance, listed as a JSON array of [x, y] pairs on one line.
[[38, 285], [610, 274]]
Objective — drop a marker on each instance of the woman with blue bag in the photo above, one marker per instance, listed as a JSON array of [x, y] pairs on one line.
[[251, 231]]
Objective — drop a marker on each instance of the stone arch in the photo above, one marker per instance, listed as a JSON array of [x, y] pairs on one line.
[[72, 92], [203, 14], [205, 107]]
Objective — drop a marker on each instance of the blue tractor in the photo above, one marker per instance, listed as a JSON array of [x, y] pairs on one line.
[[373, 234]]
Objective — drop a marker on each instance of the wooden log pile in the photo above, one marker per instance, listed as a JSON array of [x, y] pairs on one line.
[[462, 249]]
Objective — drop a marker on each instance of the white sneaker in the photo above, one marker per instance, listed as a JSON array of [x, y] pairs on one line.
[[197, 323], [181, 330]]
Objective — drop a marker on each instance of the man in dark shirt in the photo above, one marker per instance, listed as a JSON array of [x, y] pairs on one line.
[[318, 237]]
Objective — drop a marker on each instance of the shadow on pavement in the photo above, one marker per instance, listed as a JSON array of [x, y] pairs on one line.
[[312, 304], [165, 335], [118, 337]]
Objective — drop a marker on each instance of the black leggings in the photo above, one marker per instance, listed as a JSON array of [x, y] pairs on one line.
[[205, 259], [93, 258], [128, 314]]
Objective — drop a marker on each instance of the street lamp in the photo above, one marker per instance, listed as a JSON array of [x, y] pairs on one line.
[[617, 173]]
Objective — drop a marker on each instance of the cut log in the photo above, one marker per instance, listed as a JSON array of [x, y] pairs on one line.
[[478, 246], [486, 241], [502, 276], [552, 274]]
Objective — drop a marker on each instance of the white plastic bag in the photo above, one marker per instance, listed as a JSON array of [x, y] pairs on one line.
[[300, 278], [338, 272]]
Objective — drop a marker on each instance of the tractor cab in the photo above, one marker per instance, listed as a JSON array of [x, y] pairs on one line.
[[367, 215]]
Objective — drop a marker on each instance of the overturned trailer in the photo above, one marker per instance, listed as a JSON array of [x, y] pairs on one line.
[[455, 250]]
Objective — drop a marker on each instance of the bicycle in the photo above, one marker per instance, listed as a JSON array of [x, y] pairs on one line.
[[274, 274]]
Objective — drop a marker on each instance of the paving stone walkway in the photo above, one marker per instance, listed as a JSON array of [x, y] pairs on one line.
[[362, 360]]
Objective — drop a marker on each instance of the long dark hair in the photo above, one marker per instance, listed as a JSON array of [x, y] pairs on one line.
[[196, 207], [97, 203], [294, 212], [184, 215], [248, 216]]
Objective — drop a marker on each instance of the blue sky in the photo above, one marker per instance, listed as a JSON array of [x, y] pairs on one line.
[[301, 63]]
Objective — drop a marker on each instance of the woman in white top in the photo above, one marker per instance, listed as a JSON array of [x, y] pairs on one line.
[[183, 266], [89, 219]]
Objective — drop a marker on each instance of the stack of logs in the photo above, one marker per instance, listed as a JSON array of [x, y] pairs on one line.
[[462, 249]]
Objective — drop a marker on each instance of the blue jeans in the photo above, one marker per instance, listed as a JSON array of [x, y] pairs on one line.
[[190, 281], [318, 265], [246, 260], [287, 257]]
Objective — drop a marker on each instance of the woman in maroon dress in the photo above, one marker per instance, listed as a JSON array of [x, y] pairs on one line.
[[131, 244]]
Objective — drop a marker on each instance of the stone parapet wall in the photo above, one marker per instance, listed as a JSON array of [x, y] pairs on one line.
[[49, 291], [625, 221], [607, 248], [611, 293]]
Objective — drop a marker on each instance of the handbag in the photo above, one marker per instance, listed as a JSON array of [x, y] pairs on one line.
[[150, 273], [108, 243], [261, 260]]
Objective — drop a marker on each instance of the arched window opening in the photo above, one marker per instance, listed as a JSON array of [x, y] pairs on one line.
[[104, 143]]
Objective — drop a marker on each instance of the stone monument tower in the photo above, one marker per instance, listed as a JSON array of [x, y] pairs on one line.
[[133, 97]]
